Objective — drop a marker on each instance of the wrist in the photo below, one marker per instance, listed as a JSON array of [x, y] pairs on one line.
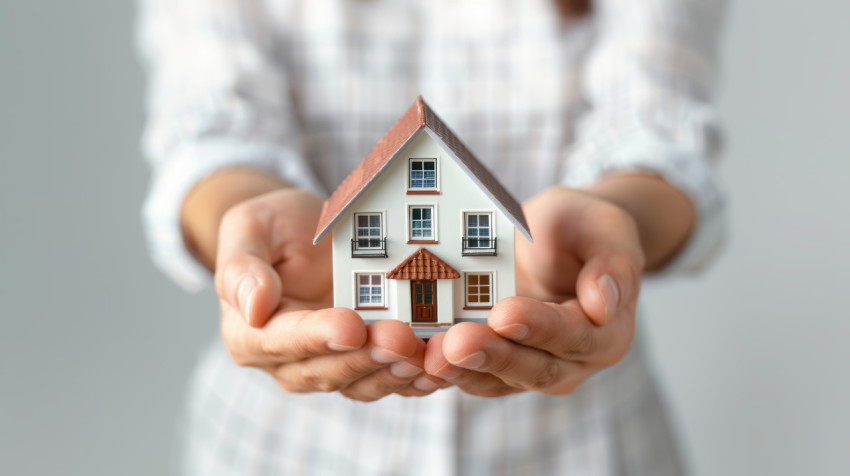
[[208, 201], [664, 215]]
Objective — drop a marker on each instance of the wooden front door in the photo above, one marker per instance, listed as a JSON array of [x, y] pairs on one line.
[[424, 296]]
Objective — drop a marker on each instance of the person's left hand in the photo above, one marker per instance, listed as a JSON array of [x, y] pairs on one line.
[[574, 315]]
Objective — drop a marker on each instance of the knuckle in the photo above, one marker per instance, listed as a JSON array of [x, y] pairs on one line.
[[545, 376], [270, 347], [386, 383], [583, 343], [245, 214], [291, 386], [322, 384], [503, 366], [352, 369]]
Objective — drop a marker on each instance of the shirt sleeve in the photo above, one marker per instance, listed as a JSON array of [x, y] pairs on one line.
[[649, 83], [218, 97]]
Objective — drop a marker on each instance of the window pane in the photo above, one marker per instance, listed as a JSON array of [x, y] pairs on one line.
[[364, 279], [430, 165], [376, 280], [484, 279], [472, 279]]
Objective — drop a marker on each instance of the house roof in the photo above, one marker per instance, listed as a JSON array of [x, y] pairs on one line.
[[423, 264], [418, 117]]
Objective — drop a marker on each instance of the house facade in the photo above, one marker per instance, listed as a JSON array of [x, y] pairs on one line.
[[421, 231]]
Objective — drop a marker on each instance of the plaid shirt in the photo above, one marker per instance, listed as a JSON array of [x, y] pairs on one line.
[[304, 89]]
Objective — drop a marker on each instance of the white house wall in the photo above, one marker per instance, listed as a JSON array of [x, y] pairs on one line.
[[388, 195]]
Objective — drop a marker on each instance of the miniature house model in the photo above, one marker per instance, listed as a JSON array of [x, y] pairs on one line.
[[422, 231]]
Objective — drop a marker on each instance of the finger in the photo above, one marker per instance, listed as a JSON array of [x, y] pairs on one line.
[[244, 275], [613, 262], [389, 379], [291, 336], [607, 283], [562, 330], [479, 348], [424, 385], [388, 342], [470, 381]]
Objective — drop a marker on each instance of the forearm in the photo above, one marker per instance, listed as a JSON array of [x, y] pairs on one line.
[[208, 201], [665, 216]]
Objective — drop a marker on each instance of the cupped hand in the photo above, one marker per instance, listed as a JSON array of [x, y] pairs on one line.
[[574, 315], [276, 295]]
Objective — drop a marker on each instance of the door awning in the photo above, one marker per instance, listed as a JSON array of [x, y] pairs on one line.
[[423, 264]]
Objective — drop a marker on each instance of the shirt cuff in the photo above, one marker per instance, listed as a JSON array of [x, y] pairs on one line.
[[190, 164], [682, 168]]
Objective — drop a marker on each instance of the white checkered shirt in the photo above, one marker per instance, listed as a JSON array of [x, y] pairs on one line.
[[304, 89]]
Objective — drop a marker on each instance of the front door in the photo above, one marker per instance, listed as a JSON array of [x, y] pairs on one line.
[[424, 295]]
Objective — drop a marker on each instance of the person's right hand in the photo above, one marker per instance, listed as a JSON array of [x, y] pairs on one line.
[[275, 289]]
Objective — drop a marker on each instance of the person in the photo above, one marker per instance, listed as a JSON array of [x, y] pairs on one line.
[[599, 120]]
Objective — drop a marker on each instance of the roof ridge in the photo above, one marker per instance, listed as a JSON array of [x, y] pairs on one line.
[[420, 106]]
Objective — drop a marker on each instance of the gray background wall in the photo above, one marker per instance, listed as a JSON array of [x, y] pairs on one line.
[[95, 345]]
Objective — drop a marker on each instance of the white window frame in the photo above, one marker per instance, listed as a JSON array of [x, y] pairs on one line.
[[410, 187], [463, 225], [357, 228], [434, 220], [467, 303], [382, 287]]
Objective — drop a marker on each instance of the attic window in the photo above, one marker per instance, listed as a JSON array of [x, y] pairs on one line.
[[422, 176]]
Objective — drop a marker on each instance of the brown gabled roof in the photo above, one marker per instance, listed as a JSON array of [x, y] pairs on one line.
[[419, 116], [423, 264]]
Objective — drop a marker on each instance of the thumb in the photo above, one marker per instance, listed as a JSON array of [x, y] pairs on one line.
[[244, 277], [250, 285], [606, 283]]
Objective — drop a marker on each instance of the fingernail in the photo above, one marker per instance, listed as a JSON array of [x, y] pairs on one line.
[[404, 369], [384, 356], [472, 361], [340, 348], [244, 293], [513, 331], [424, 384], [449, 372], [610, 294]]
